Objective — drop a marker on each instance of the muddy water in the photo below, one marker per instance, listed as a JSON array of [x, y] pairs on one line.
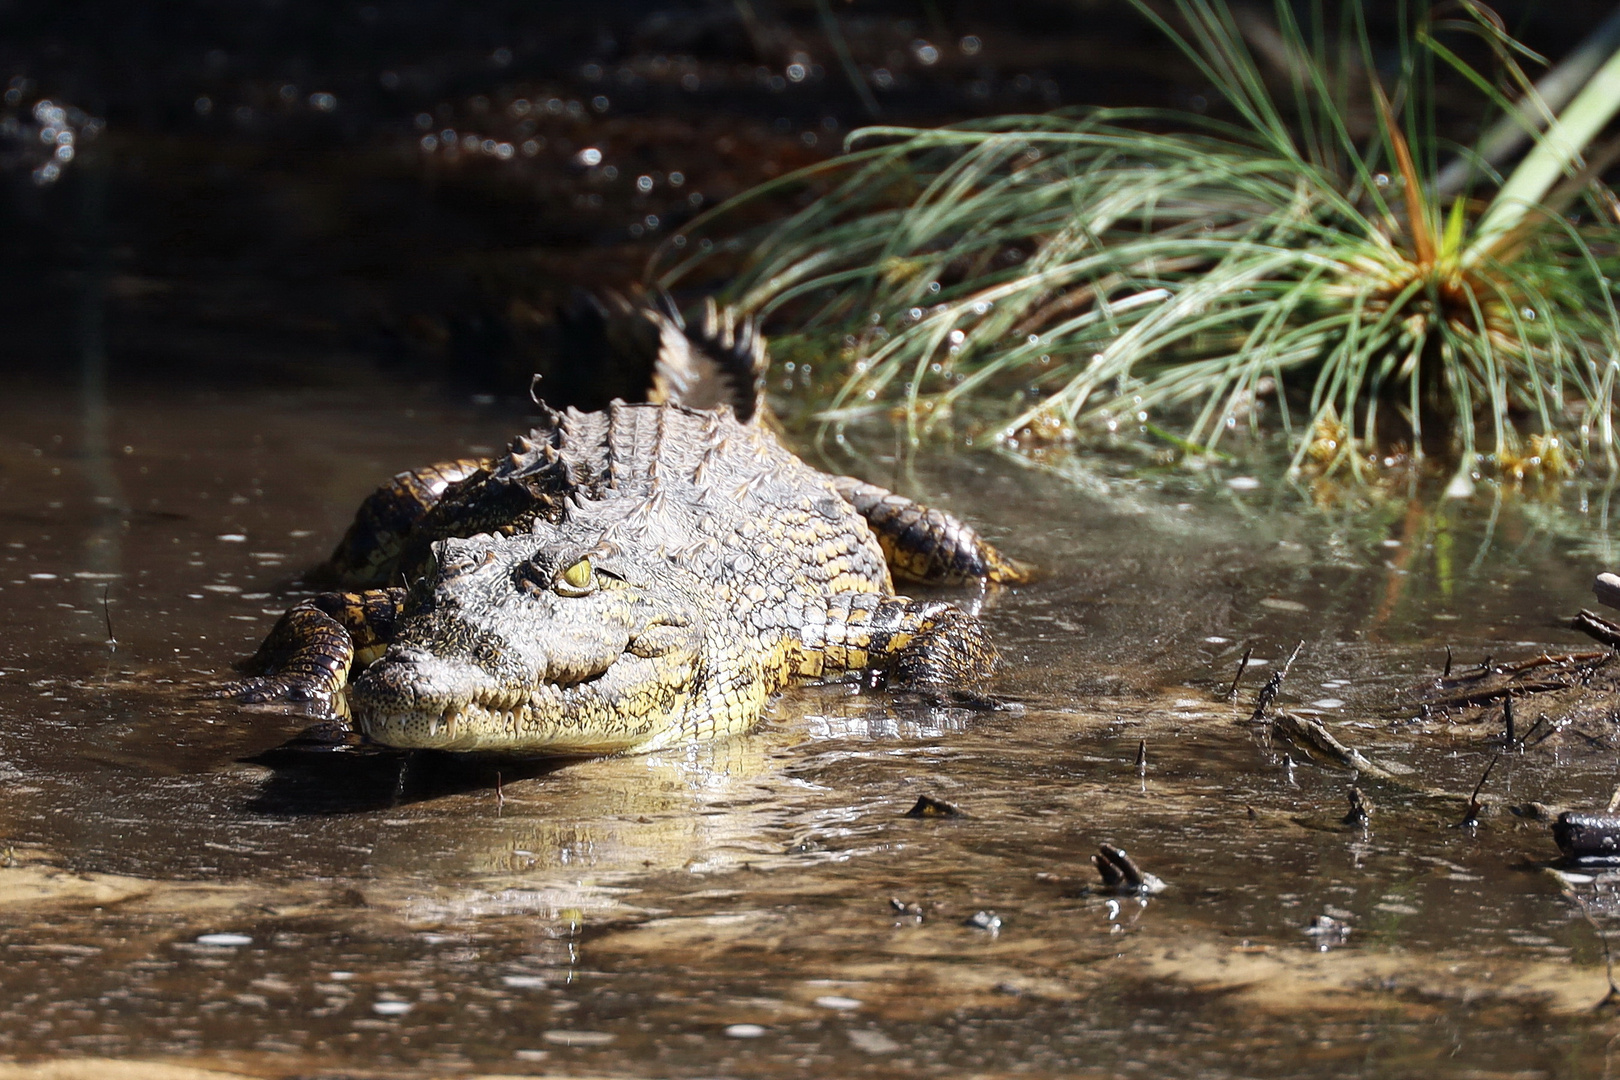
[[185, 881]]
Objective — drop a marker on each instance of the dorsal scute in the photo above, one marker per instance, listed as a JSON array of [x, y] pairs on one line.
[[721, 362]]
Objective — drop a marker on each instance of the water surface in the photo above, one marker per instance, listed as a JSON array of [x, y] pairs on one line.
[[185, 881]]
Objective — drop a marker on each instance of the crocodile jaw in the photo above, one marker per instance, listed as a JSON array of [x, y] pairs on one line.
[[428, 703]]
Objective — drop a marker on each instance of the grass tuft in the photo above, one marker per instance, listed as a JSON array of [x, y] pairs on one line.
[[1134, 271]]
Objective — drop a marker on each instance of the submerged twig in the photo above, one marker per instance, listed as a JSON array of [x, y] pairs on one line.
[[1120, 873], [1553, 728], [1360, 809], [1312, 735], [106, 613], [1597, 628], [1243, 665], [1268, 693], [1525, 741], [1471, 818]]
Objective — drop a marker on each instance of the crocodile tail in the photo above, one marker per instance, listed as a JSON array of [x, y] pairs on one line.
[[605, 347], [721, 361]]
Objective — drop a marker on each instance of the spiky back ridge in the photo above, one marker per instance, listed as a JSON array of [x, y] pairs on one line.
[[698, 488], [722, 361], [640, 347], [693, 486]]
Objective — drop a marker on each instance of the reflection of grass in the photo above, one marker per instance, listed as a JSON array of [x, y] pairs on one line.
[[1103, 274]]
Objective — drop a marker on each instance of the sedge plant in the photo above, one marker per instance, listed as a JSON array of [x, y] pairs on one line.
[[1150, 271]]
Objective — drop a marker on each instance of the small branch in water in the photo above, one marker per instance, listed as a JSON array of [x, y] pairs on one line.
[[1360, 809], [1597, 628], [1507, 717], [1243, 665], [106, 612], [1471, 818], [1525, 741], [1553, 728], [1141, 758], [1309, 734], [1120, 873], [1268, 693], [1293, 656], [1446, 674]]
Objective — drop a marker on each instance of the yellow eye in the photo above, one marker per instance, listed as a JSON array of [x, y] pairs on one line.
[[578, 576]]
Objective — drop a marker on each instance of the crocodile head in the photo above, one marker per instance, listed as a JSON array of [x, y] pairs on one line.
[[540, 643]]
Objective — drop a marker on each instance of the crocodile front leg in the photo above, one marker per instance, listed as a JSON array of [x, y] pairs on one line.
[[914, 643], [926, 545], [369, 552], [312, 648]]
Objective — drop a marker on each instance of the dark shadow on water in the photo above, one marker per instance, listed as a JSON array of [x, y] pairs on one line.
[[315, 774]]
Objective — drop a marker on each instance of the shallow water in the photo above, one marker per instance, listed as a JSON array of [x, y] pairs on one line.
[[267, 284], [185, 881]]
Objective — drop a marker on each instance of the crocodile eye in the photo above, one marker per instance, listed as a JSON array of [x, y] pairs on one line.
[[578, 580]]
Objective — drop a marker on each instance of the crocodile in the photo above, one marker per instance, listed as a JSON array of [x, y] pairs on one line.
[[626, 579]]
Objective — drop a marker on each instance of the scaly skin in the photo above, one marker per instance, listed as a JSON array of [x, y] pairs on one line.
[[620, 580], [719, 567]]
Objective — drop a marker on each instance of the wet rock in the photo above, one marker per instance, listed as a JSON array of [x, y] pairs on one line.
[[988, 921], [1328, 932], [1606, 587], [1588, 836]]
